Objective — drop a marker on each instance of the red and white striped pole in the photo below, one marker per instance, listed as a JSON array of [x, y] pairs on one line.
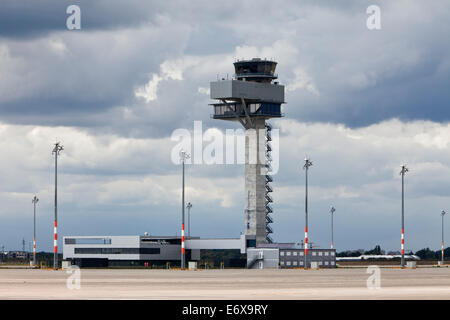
[[182, 240], [402, 172], [34, 250], [332, 210], [403, 242], [308, 163], [183, 156], [58, 148], [442, 245], [306, 241], [34, 201], [55, 241]]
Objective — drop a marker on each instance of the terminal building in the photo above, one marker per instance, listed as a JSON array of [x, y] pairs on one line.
[[160, 251], [109, 251]]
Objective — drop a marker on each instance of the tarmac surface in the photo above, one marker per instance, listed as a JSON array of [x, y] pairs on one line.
[[395, 283]]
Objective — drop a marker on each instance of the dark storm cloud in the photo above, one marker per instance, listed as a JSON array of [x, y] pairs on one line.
[[19, 18], [341, 72]]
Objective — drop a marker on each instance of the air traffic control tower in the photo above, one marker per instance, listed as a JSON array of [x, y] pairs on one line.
[[252, 97]]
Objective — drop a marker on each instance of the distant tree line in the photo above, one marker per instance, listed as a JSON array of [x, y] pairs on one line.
[[424, 254], [46, 258]]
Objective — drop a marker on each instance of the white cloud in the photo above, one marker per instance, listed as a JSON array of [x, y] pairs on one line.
[[359, 176], [302, 81], [149, 90]]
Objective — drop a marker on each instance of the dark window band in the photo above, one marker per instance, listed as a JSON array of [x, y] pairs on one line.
[[117, 250]]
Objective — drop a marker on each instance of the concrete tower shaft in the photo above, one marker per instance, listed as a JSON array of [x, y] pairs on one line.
[[251, 98], [255, 180]]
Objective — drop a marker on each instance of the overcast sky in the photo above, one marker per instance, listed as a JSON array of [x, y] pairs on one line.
[[360, 103]]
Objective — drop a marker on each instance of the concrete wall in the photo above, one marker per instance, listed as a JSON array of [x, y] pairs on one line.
[[238, 243], [270, 258], [168, 252], [116, 242]]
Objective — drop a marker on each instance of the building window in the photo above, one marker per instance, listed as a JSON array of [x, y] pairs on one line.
[[320, 253], [149, 250], [301, 263], [332, 263], [320, 263], [326, 253], [87, 241], [295, 263], [282, 253], [282, 263], [314, 253], [295, 253], [288, 253], [117, 250], [332, 253], [301, 253], [288, 263]]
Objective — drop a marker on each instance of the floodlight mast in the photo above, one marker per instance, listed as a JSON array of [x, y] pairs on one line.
[[183, 156], [307, 164], [332, 210], [34, 201], [402, 173], [189, 206], [56, 151], [442, 245]]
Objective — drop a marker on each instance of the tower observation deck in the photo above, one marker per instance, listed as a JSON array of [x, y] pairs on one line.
[[252, 97]]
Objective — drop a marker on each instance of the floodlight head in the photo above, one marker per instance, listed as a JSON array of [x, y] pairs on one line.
[[184, 155], [58, 148], [404, 169], [308, 163], [189, 205], [332, 209], [35, 199], [443, 213]]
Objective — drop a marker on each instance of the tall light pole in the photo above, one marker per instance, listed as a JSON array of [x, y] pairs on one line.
[[442, 246], [332, 210], [34, 201], [189, 206], [307, 164], [56, 151], [183, 156], [402, 173]]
